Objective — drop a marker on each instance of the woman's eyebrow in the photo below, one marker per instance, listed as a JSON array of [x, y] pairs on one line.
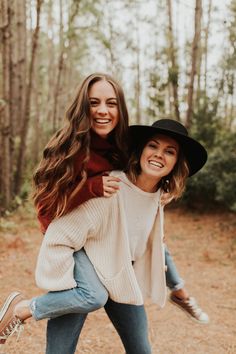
[[97, 98], [168, 146]]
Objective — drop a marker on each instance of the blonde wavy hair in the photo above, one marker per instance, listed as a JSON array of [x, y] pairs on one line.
[[55, 180]]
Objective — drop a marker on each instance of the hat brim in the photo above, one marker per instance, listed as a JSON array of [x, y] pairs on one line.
[[193, 151]]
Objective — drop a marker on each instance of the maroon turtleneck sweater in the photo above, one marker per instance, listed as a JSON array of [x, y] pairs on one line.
[[96, 167]]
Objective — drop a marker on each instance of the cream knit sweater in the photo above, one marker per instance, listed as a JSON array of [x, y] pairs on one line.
[[99, 226]]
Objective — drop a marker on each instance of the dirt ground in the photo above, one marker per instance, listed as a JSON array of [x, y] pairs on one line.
[[204, 248]]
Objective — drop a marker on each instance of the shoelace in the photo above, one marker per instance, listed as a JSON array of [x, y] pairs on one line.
[[194, 307], [16, 326]]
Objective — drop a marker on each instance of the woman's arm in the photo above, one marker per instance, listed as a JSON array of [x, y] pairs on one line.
[[64, 236], [97, 167]]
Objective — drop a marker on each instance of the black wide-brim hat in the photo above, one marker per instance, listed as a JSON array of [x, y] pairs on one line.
[[194, 152]]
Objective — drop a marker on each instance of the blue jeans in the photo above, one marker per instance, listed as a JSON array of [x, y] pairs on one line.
[[68, 309], [173, 279], [130, 322], [89, 295]]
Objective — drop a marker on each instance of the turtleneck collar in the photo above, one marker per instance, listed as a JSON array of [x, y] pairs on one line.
[[99, 143]]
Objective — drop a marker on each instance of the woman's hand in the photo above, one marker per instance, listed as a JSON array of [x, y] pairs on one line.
[[110, 185]]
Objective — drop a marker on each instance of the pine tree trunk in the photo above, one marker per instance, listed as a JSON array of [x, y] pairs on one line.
[[26, 118], [5, 121], [197, 96], [36, 116], [197, 35], [21, 63], [206, 44], [48, 109], [59, 71], [174, 68], [63, 51]]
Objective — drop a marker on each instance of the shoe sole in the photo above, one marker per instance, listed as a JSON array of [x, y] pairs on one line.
[[187, 313], [7, 303]]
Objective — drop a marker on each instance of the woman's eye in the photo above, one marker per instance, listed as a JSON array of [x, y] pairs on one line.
[[151, 145], [112, 104], [93, 103], [170, 152]]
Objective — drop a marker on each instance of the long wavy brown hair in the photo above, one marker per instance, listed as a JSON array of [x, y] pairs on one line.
[[55, 178], [173, 184]]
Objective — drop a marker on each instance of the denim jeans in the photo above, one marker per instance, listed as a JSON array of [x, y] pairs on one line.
[[130, 322], [89, 295], [63, 333], [173, 280], [68, 309]]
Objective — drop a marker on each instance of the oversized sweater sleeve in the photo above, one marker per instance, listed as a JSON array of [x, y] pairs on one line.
[[64, 236], [92, 188]]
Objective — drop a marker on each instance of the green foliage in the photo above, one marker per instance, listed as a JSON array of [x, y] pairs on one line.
[[206, 124], [216, 182], [223, 161], [156, 93], [173, 75]]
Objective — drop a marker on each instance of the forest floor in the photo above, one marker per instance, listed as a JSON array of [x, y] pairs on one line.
[[204, 248]]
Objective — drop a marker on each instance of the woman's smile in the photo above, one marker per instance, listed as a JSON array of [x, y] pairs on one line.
[[155, 163], [157, 160], [103, 108]]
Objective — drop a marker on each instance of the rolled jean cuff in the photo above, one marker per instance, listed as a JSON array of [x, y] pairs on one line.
[[178, 286], [32, 307]]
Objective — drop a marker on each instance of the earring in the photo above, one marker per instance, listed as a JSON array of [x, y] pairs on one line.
[[166, 185]]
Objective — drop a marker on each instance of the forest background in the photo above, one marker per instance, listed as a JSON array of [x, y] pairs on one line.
[[174, 58]]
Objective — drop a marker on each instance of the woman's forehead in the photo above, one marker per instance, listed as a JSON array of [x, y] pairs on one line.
[[164, 139]]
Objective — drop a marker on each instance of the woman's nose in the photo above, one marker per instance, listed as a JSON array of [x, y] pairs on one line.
[[102, 109], [159, 153]]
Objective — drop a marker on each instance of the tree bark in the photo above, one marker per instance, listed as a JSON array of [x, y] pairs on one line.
[[21, 62], [63, 50], [5, 121], [25, 125], [173, 70], [197, 36], [48, 110], [206, 44]]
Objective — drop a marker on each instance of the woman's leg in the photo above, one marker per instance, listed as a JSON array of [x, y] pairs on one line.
[[89, 295], [173, 279], [179, 295], [130, 322], [63, 333]]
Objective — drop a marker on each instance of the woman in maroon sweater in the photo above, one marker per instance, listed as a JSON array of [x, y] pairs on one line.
[[93, 141]]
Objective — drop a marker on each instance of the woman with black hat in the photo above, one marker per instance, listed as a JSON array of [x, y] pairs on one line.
[[122, 236]]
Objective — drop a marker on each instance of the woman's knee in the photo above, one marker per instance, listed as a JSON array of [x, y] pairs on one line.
[[98, 298], [89, 299]]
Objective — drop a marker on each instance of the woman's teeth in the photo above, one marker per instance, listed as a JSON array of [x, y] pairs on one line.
[[155, 163], [102, 121]]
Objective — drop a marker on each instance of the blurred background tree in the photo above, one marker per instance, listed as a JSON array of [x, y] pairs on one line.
[[174, 58]]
